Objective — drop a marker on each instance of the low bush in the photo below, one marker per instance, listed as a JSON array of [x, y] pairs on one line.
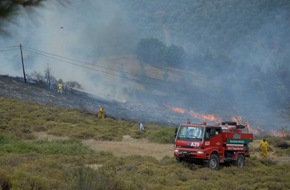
[[267, 162], [5, 181], [11, 144], [283, 152], [85, 178], [163, 135], [277, 142]]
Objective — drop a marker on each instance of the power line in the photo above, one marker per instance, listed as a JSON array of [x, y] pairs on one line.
[[93, 64], [159, 80], [42, 53], [95, 69], [10, 47], [2, 50]]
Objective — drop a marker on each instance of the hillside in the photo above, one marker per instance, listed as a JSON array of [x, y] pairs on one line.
[[233, 60], [48, 147], [36, 92]]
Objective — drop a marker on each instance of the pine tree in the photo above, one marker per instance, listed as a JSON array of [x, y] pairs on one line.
[[10, 8]]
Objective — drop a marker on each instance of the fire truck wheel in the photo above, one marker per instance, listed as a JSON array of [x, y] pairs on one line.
[[240, 161], [214, 162]]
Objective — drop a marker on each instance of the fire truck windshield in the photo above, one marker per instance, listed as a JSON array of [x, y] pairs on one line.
[[190, 133]]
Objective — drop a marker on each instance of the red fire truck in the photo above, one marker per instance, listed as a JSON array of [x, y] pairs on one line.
[[212, 144]]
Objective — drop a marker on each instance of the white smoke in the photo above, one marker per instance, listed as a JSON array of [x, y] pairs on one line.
[[81, 30]]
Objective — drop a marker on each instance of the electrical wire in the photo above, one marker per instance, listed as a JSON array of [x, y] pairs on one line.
[[27, 48], [42, 54], [49, 55], [162, 67], [10, 47], [2, 50]]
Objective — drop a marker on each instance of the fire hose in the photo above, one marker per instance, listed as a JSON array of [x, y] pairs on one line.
[[256, 149]]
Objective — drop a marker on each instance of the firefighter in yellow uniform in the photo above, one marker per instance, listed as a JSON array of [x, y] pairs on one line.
[[101, 113], [59, 88], [264, 147]]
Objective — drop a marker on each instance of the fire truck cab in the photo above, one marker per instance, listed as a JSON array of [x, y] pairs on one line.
[[212, 144]]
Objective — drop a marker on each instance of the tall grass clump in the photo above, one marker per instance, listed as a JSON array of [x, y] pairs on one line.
[[85, 178], [162, 135], [11, 144]]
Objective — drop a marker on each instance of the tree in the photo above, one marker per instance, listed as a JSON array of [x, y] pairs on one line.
[[73, 84], [151, 50], [10, 9], [50, 79], [37, 76], [174, 55]]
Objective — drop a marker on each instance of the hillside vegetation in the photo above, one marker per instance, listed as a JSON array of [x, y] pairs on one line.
[[64, 160]]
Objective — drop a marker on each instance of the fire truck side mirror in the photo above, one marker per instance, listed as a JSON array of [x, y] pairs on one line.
[[175, 132]]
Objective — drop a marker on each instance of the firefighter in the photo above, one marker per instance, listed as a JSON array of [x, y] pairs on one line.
[[264, 148], [141, 127], [59, 88], [101, 113]]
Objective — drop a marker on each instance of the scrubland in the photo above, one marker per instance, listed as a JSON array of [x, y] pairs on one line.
[[47, 147]]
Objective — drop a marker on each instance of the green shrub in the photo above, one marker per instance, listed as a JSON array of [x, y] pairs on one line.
[[11, 144], [162, 135], [284, 152], [267, 162], [276, 141], [26, 180], [85, 178]]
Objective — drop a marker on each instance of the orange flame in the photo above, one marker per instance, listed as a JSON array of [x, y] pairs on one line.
[[210, 117], [175, 109], [259, 130], [178, 110], [239, 119], [272, 132]]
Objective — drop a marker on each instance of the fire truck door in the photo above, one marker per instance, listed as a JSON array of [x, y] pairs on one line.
[[213, 138]]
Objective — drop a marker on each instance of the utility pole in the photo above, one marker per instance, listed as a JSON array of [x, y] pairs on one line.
[[22, 64]]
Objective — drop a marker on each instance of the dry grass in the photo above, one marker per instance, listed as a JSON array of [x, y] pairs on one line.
[[44, 136], [255, 152], [142, 147], [129, 146], [57, 159]]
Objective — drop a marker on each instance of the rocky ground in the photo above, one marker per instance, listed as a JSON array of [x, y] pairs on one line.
[[35, 92]]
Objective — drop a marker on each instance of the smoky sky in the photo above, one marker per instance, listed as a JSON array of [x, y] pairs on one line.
[[91, 31]]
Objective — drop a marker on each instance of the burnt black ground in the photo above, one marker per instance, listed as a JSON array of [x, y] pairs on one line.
[[16, 88]]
